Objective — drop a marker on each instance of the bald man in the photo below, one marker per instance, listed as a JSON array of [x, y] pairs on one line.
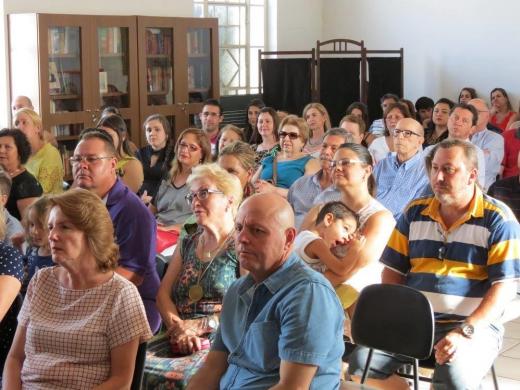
[[282, 325], [21, 102], [401, 177], [491, 143]]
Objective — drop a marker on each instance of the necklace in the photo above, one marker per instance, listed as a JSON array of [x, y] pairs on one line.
[[15, 172], [196, 291]]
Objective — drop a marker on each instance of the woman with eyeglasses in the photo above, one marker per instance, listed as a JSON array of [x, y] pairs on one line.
[[277, 173], [169, 206], [204, 263]]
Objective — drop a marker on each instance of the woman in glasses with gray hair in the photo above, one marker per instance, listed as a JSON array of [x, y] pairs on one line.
[[204, 263]]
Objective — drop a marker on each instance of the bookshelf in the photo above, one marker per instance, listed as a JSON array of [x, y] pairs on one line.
[[143, 65]]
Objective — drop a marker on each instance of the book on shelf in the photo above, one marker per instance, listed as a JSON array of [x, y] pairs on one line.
[[63, 40], [110, 40], [54, 78], [158, 78], [158, 42], [197, 42]]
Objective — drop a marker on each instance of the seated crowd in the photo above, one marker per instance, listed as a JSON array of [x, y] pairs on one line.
[[271, 229]]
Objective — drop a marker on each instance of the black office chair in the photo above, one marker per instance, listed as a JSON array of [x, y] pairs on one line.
[[139, 367], [395, 319]]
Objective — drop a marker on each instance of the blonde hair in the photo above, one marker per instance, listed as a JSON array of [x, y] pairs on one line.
[[87, 212], [202, 140], [323, 111], [300, 123], [224, 181], [243, 152], [35, 118], [41, 207]]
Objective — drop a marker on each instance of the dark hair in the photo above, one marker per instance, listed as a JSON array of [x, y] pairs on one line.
[[237, 130], [389, 96], [503, 92], [110, 110], [468, 107], [256, 138], [20, 140], [361, 107], [471, 91], [364, 155], [213, 102], [168, 151], [423, 103], [403, 108], [447, 101], [339, 210], [116, 123], [411, 107], [95, 133], [248, 129], [5, 183]]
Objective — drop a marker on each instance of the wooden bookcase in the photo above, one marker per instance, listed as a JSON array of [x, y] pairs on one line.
[[73, 65]]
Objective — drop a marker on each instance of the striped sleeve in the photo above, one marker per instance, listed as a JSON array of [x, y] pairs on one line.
[[396, 254]]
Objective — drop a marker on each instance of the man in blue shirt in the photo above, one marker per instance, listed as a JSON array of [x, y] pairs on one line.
[[401, 176], [282, 325]]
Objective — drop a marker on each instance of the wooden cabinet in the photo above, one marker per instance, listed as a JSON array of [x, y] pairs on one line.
[[73, 65]]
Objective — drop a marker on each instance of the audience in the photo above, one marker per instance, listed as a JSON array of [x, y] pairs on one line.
[[281, 325], [211, 117], [355, 126], [14, 153], [466, 94], [128, 168], [25, 102], [438, 127], [424, 107], [204, 264], [267, 127], [303, 192], [80, 323], [228, 134], [491, 143], [251, 134], [502, 113], [508, 191], [94, 169], [359, 110], [318, 120], [511, 149], [278, 173], [45, 163], [432, 250], [13, 227], [381, 146], [239, 159], [377, 128], [400, 177], [156, 157]]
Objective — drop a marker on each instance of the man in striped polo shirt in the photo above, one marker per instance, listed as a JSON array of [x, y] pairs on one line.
[[461, 248]]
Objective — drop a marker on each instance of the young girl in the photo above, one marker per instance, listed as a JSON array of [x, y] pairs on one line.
[[38, 254], [320, 245]]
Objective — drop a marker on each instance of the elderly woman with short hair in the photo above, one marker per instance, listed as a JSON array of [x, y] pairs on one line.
[[81, 322]]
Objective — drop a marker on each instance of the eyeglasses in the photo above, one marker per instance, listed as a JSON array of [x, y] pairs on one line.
[[201, 195], [405, 133], [88, 159], [190, 147], [345, 163], [283, 134]]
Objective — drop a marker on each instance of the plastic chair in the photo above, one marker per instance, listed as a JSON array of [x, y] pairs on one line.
[[396, 319], [139, 367]]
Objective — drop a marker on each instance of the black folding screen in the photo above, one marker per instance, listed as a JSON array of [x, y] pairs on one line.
[[384, 76], [287, 83], [339, 81]]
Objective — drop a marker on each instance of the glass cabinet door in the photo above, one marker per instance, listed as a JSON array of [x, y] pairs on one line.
[[159, 66], [65, 81], [199, 64], [113, 66]]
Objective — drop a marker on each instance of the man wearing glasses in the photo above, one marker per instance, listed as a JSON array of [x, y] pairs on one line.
[[400, 176], [460, 248], [94, 169]]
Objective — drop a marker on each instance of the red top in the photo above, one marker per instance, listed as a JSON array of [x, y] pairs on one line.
[[504, 123], [511, 149]]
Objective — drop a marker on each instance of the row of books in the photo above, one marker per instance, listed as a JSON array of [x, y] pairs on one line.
[[63, 40], [110, 40], [198, 41], [198, 76], [158, 41], [65, 155], [159, 78]]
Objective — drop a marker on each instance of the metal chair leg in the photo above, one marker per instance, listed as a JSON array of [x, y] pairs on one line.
[[415, 374], [367, 366], [494, 375]]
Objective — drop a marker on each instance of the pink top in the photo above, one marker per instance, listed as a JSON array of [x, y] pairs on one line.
[[504, 122], [511, 149], [70, 332]]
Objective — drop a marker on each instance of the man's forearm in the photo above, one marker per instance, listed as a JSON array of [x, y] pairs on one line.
[[494, 303], [390, 276], [208, 376]]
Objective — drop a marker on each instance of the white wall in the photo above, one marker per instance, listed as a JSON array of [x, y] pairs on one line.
[[299, 24], [447, 44]]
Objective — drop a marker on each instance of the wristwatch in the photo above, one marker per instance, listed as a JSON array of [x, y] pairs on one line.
[[467, 330], [212, 323]]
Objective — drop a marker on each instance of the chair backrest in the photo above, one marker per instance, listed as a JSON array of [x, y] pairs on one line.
[[161, 264], [394, 318], [139, 367]]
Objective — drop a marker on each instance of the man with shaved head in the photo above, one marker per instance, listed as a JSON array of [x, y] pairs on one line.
[[491, 143], [21, 102], [401, 177], [282, 325]]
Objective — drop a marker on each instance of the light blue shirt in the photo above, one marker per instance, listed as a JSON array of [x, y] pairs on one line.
[[492, 144], [377, 127], [399, 183], [329, 194], [293, 315]]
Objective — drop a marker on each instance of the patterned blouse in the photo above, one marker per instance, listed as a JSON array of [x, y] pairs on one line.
[[222, 272], [70, 333]]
